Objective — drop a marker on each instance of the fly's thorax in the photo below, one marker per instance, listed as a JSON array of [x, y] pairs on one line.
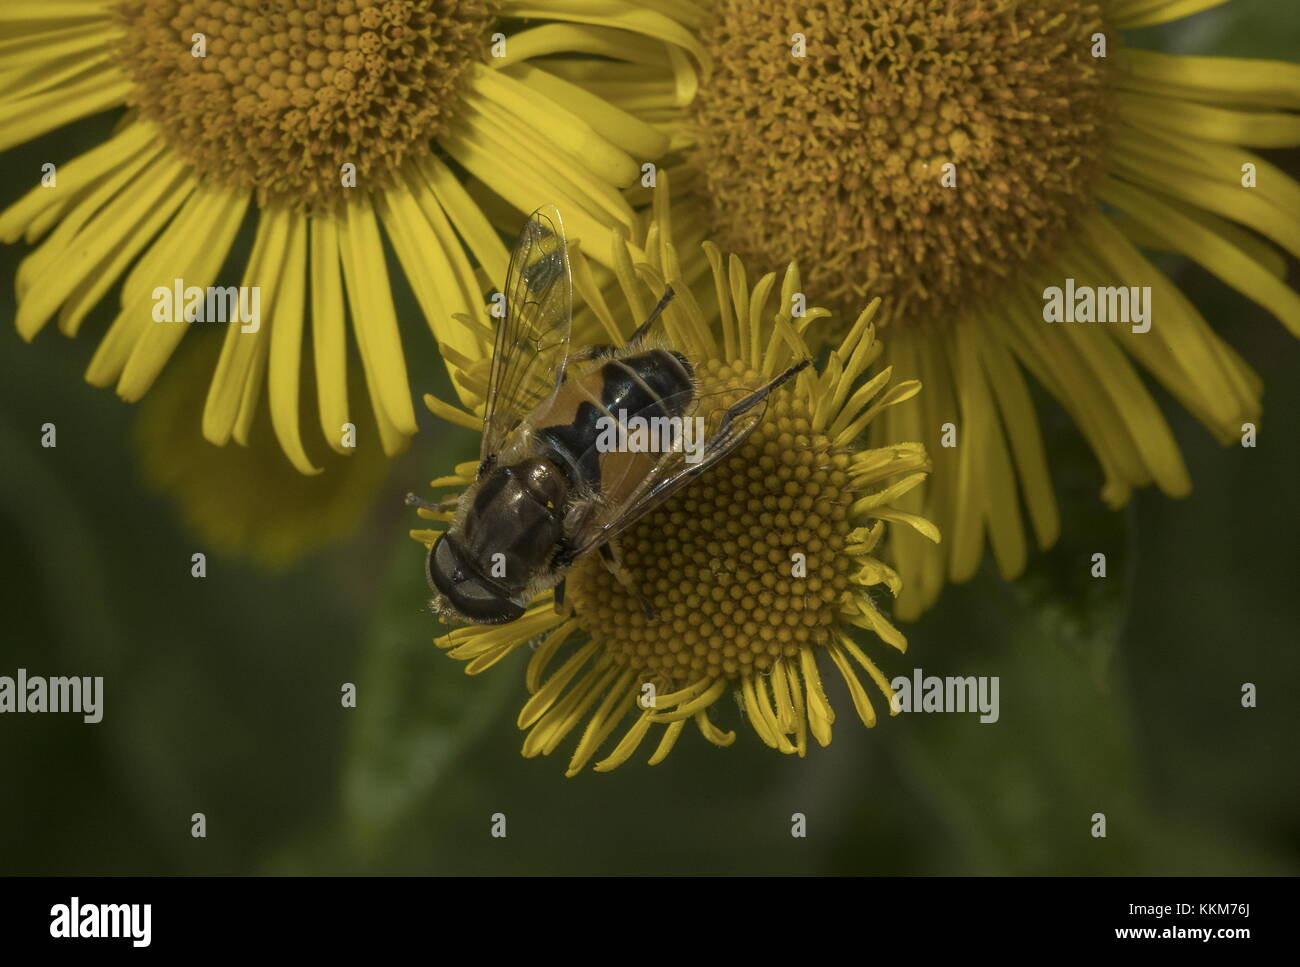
[[514, 523]]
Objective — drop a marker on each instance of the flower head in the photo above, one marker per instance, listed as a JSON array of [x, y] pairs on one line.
[[284, 96], [961, 160], [758, 572], [847, 165], [326, 125]]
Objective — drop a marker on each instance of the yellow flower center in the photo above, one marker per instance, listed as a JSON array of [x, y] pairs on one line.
[[279, 95], [838, 157], [742, 567]]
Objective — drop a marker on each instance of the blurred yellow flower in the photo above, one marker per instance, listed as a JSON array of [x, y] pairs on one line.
[[248, 501]]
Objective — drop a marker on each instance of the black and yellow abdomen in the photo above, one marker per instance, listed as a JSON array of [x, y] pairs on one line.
[[655, 383]]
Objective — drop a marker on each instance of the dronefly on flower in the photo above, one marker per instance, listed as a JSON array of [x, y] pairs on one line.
[[751, 579], [324, 119], [964, 161]]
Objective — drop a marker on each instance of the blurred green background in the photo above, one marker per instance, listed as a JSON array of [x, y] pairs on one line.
[[222, 695]]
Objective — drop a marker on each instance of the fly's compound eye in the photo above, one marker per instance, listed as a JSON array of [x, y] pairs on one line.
[[429, 563], [470, 596], [444, 566]]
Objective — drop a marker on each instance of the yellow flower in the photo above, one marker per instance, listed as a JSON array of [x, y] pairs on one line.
[[758, 572], [242, 111], [248, 501], [960, 160]]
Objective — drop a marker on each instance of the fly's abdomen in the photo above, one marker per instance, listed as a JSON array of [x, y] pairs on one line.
[[656, 383]]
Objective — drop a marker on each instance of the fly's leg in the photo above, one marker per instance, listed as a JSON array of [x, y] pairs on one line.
[[609, 553], [754, 398], [563, 610], [598, 352], [642, 329]]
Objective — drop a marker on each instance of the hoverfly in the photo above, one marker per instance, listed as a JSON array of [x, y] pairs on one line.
[[546, 492]]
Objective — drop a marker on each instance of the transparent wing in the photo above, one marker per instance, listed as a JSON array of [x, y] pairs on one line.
[[533, 336], [640, 485]]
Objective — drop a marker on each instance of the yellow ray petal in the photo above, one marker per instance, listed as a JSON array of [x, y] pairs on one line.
[[286, 322], [451, 413], [1219, 80], [872, 670], [549, 691], [861, 701], [30, 13], [627, 745], [958, 512], [436, 267], [471, 224], [564, 718], [1143, 13], [528, 106], [1213, 380], [30, 117], [46, 76], [95, 243], [596, 200], [1055, 364], [197, 243], [640, 140], [711, 731], [374, 320], [239, 351], [620, 696], [1131, 406], [1258, 129], [92, 288], [50, 46], [1218, 254], [1020, 420], [686, 709], [1272, 208], [571, 38], [986, 446], [920, 564], [666, 743], [74, 179], [602, 13], [820, 714], [329, 332], [124, 180]]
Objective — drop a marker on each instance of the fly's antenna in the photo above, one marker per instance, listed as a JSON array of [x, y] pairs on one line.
[[449, 503]]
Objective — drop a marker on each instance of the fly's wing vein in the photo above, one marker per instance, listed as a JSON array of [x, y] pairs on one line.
[[532, 341]]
